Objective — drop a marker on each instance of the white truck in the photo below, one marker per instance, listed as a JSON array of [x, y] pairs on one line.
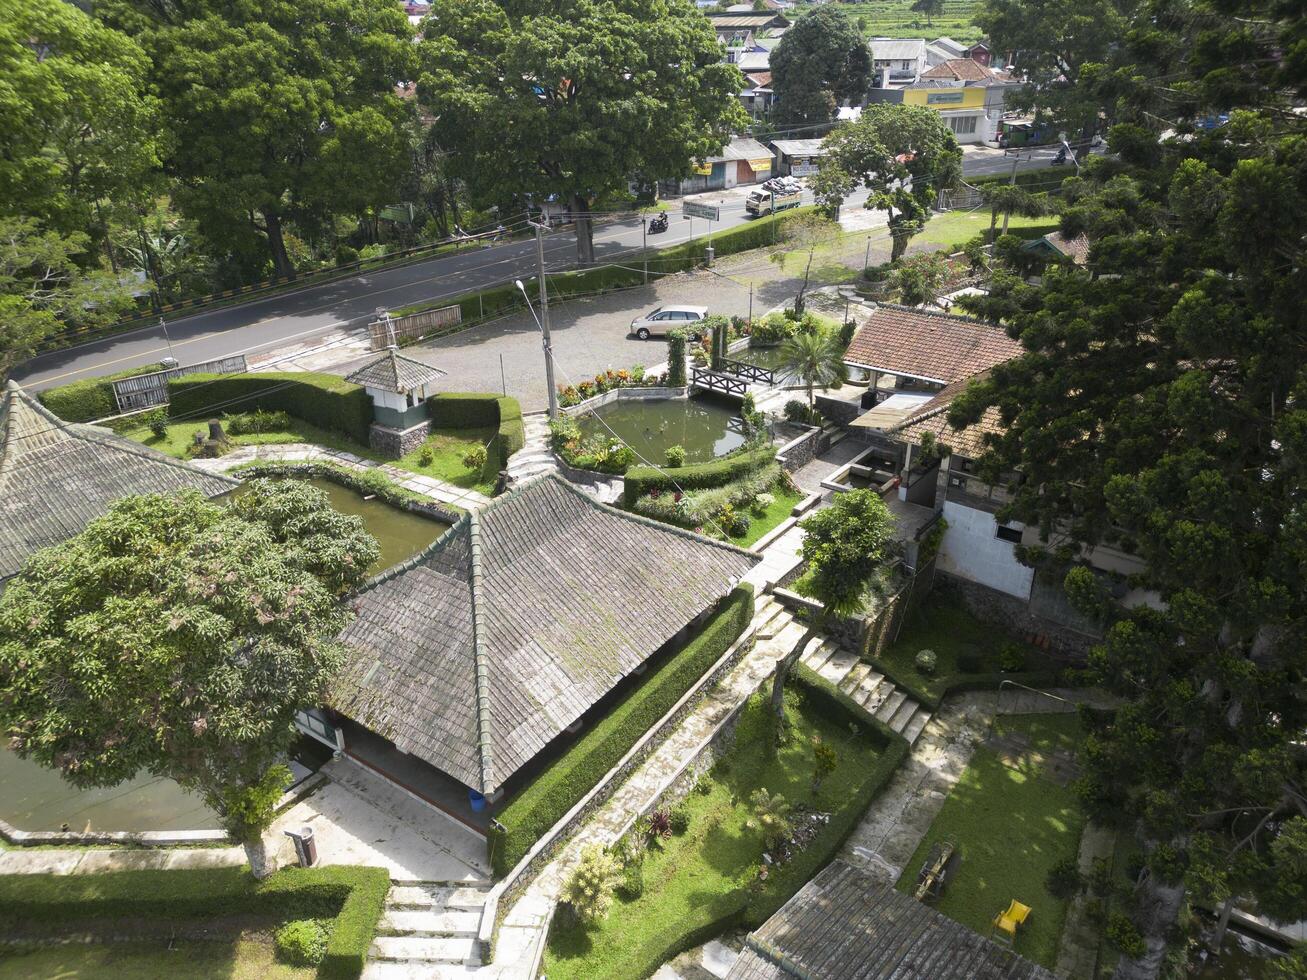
[[762, 202]]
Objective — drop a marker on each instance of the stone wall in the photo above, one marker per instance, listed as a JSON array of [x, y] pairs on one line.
[[653, 393], [394, 443], [838, 410], [803, 449], [1014, 615]]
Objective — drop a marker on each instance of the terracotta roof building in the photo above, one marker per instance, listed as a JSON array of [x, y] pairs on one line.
[[965, 70], [57, 476], [932, 417], [935, 347], [481, 650], [1056, 246], [845, 924]]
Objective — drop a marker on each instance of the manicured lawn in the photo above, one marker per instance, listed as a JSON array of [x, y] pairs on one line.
[[1011, 825], [771, 517], [962, 644], [252, 957], [449, 446], [179, 438], [957, 227], [701, 882]]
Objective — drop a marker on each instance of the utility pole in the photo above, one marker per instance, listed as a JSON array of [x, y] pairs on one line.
[[644, 246], [543, 321], [750, 305], [1012, 181], [866, 258]]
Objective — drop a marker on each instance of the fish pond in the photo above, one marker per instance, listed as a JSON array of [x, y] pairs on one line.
[[705, 427]]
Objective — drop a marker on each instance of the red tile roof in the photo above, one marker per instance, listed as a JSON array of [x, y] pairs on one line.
[[934, 346], [965, 70], [933, 417], [1076, 249], [760, 79]]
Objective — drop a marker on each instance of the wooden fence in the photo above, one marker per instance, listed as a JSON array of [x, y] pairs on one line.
[[394, 330], [148, 390]]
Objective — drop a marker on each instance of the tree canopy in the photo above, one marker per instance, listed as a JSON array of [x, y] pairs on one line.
[[903, 154], [178, 637], [571, 100], [1160, 407], [821, 62]]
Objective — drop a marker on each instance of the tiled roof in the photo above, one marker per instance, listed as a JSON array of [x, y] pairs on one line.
[[57, 476], [932, 417], [965, 70], [1076, 249], [844, 923], [392, 371], [479, 651], [760, 79], [934, 346]]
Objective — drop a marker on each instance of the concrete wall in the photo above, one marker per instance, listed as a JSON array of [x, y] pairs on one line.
[[972, 550]]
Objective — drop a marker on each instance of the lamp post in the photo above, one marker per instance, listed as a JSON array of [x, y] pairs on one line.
[[545, 343]]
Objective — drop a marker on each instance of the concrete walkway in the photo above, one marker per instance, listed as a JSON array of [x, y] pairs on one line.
[[85, 860], [302, 452]]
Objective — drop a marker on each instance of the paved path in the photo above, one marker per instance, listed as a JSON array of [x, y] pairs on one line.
[[87, 860], [302, 452]]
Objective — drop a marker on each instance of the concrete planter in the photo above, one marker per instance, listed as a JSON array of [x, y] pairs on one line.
[[655, 393]]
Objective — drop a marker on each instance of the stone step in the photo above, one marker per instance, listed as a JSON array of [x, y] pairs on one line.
[[869, 689], [837, 667], [903, 715], [415, 970], [912, 731], [854, 677], [789, 635], [526, 472], [425, 896], [426, 949], [885, 711], [420, 922], [774, 621], [820, 654]]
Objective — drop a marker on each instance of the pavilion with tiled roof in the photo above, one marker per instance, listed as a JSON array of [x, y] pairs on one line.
[[481, 650], [938, 348], [57, 476], [845, 924], [1057, 246], [932, 417]]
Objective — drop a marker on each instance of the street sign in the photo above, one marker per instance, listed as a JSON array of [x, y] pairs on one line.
[[693, 210]]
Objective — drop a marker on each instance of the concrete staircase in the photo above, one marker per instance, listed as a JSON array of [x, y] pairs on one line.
[[535, 457], [428, 931], [863, 683]]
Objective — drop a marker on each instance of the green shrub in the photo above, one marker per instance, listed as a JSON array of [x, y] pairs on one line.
[[680, 819], [1064, 879], [675, 456], [475, 458], [353, 896], [676, 340], [772, 329], [695, 508], [642, 479], [1011, 658], [426, 455], [252, 423], [86, 401], [459, 410], [323, 400], [543, 802], [156, 420], [302, 942], [926, 661], [1124, 935]]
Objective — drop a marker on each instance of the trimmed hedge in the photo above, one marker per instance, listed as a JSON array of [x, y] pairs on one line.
[[86, 401], [719, 472], [354, 897], [956, 683], [458, 410], [538, 806], [323, 400]]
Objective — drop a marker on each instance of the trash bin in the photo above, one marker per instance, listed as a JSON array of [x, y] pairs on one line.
[[306, 848], [477, 800]]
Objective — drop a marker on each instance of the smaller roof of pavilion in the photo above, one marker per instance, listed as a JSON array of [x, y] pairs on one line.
[[1076, 249], [392, 371], [932, 417], [56, 476], [930, 346], [891, 412], [844, 923]]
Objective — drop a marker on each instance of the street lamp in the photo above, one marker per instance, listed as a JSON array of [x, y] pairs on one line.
[[548, 349]]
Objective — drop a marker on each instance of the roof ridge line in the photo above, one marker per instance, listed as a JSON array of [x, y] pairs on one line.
[[413, 561], [937, 313], [642, 519], [481, 665]]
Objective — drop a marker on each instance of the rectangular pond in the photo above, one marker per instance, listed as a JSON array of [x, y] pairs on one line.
[[705, 427]]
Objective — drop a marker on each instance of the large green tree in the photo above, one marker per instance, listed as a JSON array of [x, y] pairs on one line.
[[822, 62], [903, 154], [1160, 407], [178, 637], [572, 99], [276, 110], [78, 123]]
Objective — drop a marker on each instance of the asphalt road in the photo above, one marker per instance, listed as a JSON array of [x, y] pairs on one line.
[[295, 317]]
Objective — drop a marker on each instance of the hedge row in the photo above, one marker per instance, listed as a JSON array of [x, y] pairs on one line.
[[323, 400], [537, 807], [719, 472], [459, 410], [353, 896], [957, 683], [86, 401]]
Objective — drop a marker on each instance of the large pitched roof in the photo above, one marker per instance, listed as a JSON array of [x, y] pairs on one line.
[[392, 371], [932, 417], [57, 476], [479, 651], [897, 48], [935, 347], [845, 924], [965, 70]]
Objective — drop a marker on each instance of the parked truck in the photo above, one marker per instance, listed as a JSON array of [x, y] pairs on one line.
[[773, 195]]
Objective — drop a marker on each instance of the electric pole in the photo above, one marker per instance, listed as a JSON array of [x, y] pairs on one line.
[[544, 321], [644, 246]]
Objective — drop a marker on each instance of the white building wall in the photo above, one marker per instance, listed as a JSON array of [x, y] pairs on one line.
[[971, 549], [389, 399]]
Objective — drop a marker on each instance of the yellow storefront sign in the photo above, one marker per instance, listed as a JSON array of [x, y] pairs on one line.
[[703, 168], [943, 99], [762, 163]]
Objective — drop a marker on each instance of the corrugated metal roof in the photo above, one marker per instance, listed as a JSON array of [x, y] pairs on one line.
[[897, 49], [800, 148]]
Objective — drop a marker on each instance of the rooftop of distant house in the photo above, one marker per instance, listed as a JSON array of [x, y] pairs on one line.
[[964, 70], [897, 48], [929, 346]]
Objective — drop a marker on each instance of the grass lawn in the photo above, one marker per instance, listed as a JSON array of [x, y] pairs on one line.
[[251, 957], [962, 645], [449, 446], [1011, 825], [896, 18], [699, 882], [771, 517], [956, 227]]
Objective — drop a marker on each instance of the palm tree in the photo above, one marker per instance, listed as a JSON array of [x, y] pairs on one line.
[[815, 358]]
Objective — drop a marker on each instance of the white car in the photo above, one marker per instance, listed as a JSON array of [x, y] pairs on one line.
[[661, 319]]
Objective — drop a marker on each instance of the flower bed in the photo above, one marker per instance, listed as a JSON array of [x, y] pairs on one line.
[[610, 380]]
